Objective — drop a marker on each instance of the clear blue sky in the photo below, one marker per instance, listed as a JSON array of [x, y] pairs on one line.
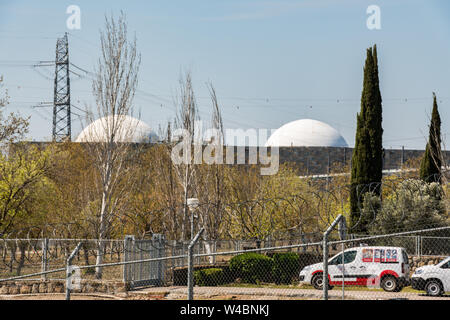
[[271, 62]]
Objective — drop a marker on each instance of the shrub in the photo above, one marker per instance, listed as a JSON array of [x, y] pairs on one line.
[[209, 277], [252, 267], [285, 267], [179, 274]]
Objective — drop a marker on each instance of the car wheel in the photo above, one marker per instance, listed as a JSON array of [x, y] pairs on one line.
[[317, 282], [433, 288], [389, 284]]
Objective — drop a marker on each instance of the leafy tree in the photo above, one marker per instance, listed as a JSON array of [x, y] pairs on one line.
[[367, 159], [430, 166], [414, 205], [22, 173], [75, 206]]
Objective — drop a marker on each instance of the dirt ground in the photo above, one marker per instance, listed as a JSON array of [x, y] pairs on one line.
[[230, 293]]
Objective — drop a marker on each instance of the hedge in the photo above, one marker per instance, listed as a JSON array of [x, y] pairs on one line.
[[209, 277], [286, 266], [252, 267]]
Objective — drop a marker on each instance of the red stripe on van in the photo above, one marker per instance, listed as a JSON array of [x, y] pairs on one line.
[[385, 272], [358, 282]]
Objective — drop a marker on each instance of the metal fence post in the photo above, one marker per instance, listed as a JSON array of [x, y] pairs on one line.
[[190, 279], [214, 250], [343, 272], [44, 258], [69, 271], [128, 256], [325, 266], [342, 232], [420, 246]]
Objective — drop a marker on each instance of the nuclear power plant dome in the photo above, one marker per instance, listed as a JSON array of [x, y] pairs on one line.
[[129, 130], [306, 133]]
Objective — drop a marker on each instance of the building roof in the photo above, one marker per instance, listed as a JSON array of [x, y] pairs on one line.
[[306, 133], [128, 129]]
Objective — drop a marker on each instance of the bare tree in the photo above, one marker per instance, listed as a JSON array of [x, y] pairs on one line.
[[187, 115], [110, 144], [214, 219], [210, 185], [168, 185]]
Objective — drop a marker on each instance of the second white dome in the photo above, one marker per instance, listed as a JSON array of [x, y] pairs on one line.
[[306, 133]]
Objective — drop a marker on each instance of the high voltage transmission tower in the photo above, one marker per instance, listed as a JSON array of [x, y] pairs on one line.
[[61, 102]]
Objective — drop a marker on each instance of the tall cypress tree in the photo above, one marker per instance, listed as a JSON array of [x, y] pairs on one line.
[[367, 159], [430, 166]]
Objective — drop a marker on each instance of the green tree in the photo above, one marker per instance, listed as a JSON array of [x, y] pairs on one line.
[[21, 173], [367, 159], [430, 166], [414, 205]]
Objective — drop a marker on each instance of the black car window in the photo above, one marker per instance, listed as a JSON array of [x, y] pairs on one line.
[[349, 256], [446, 265]]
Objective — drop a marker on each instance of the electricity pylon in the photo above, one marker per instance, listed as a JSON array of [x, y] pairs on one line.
[[61, 102]]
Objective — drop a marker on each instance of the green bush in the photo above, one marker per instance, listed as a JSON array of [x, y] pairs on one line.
[[209, 277], [286, 266], [252, 267]]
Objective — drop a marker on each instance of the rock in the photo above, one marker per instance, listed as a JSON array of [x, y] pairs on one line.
[[4, 290], [35, 288], [89, 289], [102, 288], [43, 288], [58, 288], [25, 289], [120, 288], [14, 290], [109, 288]]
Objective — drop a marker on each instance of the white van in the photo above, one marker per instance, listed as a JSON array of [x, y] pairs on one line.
[[385, 267], [434, 279]]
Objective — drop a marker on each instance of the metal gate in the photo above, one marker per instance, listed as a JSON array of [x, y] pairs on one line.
[[145, 273]]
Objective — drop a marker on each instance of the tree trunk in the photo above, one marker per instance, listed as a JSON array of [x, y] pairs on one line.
[[22, 248], [101, 235]]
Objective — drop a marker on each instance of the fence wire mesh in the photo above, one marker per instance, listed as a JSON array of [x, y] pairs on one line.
[[409, 265]]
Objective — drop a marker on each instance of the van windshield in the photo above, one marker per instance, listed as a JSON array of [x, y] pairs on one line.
[[447, 265], [405, 257]]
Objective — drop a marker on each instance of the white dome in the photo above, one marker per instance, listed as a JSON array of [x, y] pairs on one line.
[[129, 129], [306, 133]]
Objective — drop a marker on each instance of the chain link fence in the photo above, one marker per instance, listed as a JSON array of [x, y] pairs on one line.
[[360, 267]]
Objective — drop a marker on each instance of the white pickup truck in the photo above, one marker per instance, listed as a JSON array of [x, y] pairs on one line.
[[434, 279]]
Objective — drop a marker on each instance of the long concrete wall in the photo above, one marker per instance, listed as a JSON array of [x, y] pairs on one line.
[[317, 160]]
